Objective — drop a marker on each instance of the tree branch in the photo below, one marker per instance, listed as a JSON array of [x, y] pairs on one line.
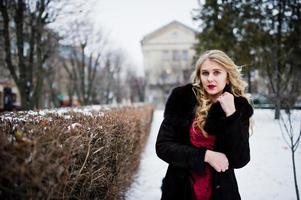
[[6, 36]]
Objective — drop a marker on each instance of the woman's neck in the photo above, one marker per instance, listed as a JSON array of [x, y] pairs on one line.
[[213, 98]]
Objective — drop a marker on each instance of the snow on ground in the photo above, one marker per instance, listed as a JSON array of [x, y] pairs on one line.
[[269, 174], [151, 170]]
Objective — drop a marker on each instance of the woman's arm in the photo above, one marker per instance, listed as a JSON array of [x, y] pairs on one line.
[[169, 149], [187, 156], [170, 146], [236, 140]]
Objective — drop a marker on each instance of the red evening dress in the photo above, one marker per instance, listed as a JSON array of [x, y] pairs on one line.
[[202, 184]]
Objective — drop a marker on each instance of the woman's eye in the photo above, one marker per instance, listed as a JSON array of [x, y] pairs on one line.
[[216, 72], [205, 73]]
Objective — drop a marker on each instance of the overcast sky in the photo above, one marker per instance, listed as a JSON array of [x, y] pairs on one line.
[[127, 21]]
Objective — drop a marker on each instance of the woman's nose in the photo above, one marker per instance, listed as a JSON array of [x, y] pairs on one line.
[[210, 77]]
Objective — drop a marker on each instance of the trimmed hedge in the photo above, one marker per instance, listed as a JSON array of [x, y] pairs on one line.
[[71, 155]]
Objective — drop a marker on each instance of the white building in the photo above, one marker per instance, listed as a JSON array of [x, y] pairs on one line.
[[168, 59]]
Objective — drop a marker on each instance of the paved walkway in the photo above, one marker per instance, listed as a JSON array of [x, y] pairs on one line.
[[146, 185]]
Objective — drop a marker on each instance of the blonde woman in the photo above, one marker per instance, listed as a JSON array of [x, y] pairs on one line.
[[205, 132]]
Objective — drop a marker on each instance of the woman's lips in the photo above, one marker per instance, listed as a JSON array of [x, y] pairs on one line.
[[211, 87]]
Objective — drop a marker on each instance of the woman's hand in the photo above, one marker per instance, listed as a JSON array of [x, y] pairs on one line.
[[217, 160], [227, 102]]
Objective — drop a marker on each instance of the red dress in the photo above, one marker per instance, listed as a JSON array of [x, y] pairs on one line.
[[202, 185]]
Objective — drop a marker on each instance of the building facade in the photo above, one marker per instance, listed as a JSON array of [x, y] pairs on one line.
[[168, 60]]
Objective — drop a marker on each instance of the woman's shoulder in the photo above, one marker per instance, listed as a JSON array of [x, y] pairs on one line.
[[180, 93], [182, 89], [180, 100]]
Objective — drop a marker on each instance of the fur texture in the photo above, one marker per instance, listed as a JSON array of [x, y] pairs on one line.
[[173, 144]]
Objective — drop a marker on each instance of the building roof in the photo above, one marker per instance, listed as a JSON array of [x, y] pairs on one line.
[[154, 33]]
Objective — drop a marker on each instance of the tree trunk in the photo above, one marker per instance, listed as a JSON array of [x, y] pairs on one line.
[[278, 63], [295, 174], [277, 108], [24, 90], [249, 82]]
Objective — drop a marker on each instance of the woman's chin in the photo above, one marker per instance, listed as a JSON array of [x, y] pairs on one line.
[[212, 93]]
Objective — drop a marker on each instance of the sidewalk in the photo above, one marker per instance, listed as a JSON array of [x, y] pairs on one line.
[[146, 185]]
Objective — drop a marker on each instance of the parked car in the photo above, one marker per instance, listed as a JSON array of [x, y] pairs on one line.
[[261, 101]]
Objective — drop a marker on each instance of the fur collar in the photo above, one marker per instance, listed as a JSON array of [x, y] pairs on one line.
[[181, 105], [216, 117]]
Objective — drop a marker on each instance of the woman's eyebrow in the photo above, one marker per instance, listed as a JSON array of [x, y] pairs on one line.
[[215, 69]]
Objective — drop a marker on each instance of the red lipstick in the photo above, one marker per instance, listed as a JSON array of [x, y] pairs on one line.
[[211, 87]]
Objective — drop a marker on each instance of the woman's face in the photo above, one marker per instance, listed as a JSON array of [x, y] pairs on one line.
[[214, 78]]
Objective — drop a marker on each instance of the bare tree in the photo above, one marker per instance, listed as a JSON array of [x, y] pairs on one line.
[[110, 80], [117, 60], [83, 64], [137, 86], [4, 72], [292, 139], [51, 91], [26, 44], [25, 26]]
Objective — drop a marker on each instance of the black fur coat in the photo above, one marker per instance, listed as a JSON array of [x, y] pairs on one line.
[[174, 147]]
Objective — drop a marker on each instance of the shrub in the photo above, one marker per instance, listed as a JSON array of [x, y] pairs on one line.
[[73, 154]]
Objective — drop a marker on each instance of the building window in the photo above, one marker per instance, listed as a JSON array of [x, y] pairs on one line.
[[165, 55], [175, 55], [185, 55]]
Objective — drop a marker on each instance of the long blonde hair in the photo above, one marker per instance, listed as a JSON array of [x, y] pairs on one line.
[[204, 102]]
